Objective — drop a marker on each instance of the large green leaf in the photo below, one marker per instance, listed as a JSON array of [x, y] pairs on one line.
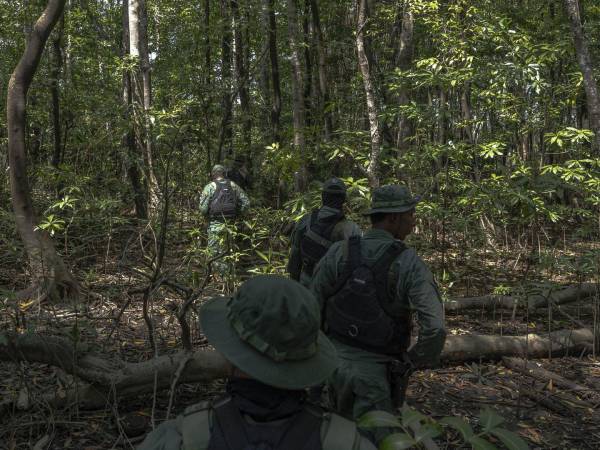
[[428, 431], [511, 440], [489, 419], [376, 419], [410, 416], [459, 424], [397, 441], [478, 443]]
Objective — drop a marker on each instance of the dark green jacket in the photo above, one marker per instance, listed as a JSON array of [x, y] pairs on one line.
[[343, 230], [414, 289]]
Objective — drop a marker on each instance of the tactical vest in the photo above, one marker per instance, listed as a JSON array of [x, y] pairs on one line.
[[317, 239], [358, 312], [220, 426], [223, 203]]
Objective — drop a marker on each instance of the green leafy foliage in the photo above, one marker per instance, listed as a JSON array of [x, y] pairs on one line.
[[417, 427]]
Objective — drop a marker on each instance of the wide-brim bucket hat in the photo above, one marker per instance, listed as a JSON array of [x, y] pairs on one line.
[[392, 198], [269, 329]]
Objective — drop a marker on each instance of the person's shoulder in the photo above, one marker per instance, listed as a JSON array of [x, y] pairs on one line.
[[167, 436], [338, 433], [209, 185]]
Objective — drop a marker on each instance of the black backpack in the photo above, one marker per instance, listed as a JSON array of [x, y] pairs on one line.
[[358, 312], [317, 239], [224, 201]]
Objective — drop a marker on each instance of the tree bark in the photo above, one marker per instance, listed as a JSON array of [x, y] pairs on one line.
[[131, 155], [146, 96], [403, 61], [241, 74], [372, 108], [298, 113], [323, 84], [587, 68], [47, 268], [55, 71]]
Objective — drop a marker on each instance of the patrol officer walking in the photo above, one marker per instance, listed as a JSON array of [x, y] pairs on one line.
[[269, 333], [368, 289], [315, 232], [222, 200]]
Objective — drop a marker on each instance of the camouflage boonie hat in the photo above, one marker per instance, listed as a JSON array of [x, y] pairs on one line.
[[392, 198], [218, 168], [270, 330], [334, 186]]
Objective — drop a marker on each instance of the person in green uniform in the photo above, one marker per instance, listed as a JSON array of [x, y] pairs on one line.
[[222, 200], [368, 289], [269, 333], [315, 232]]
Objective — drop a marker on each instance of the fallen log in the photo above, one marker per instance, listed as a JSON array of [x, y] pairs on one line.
[[471, 347], [557, 297], [106, 378], [531, 369]]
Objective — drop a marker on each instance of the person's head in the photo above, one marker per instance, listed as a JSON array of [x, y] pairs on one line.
[[334, 193], [269, 331], [218, 171], [393, 210]]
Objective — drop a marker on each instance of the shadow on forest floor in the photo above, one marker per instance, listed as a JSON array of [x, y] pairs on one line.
[[461, 390]]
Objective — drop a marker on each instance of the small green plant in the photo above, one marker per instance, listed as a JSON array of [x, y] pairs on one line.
[[417, 428]]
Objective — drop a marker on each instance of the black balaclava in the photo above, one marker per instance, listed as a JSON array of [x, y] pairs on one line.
[[334, 200]]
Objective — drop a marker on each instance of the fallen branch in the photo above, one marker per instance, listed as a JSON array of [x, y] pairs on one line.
[[557, 297], [125, 379], [531, 369]]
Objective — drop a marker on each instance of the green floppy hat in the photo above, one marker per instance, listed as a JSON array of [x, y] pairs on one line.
[[334, 186], [269, 329], [392, 198]]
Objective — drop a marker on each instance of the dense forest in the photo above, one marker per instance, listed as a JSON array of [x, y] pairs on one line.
[[115, 111]]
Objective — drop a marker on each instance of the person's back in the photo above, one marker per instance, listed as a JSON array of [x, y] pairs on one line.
[[315, 232], [372, 332], [269, 331], [221, 202]]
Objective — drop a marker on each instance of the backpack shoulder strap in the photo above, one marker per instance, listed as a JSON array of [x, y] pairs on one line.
[[300, 428], [338, 433], [381, 269], [232, 424], [313, 235], [352, 261], [195, 427]]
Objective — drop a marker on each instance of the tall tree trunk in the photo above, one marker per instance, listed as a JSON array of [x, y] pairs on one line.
[[372, 109], [241, 74], [404, 59], [55, 70], [146, 96], [323, 85], [131, 154], [298, 112], [207, 47], [225, 133], [47, 268], [274, 59], [587, 68]]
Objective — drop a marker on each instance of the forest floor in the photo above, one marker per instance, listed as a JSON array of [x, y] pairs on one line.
[[110, 281]]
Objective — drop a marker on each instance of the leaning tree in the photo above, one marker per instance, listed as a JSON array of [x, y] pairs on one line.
[[49, 273]]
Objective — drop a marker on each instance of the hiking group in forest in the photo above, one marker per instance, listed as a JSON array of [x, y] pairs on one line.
[[340, 324]]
